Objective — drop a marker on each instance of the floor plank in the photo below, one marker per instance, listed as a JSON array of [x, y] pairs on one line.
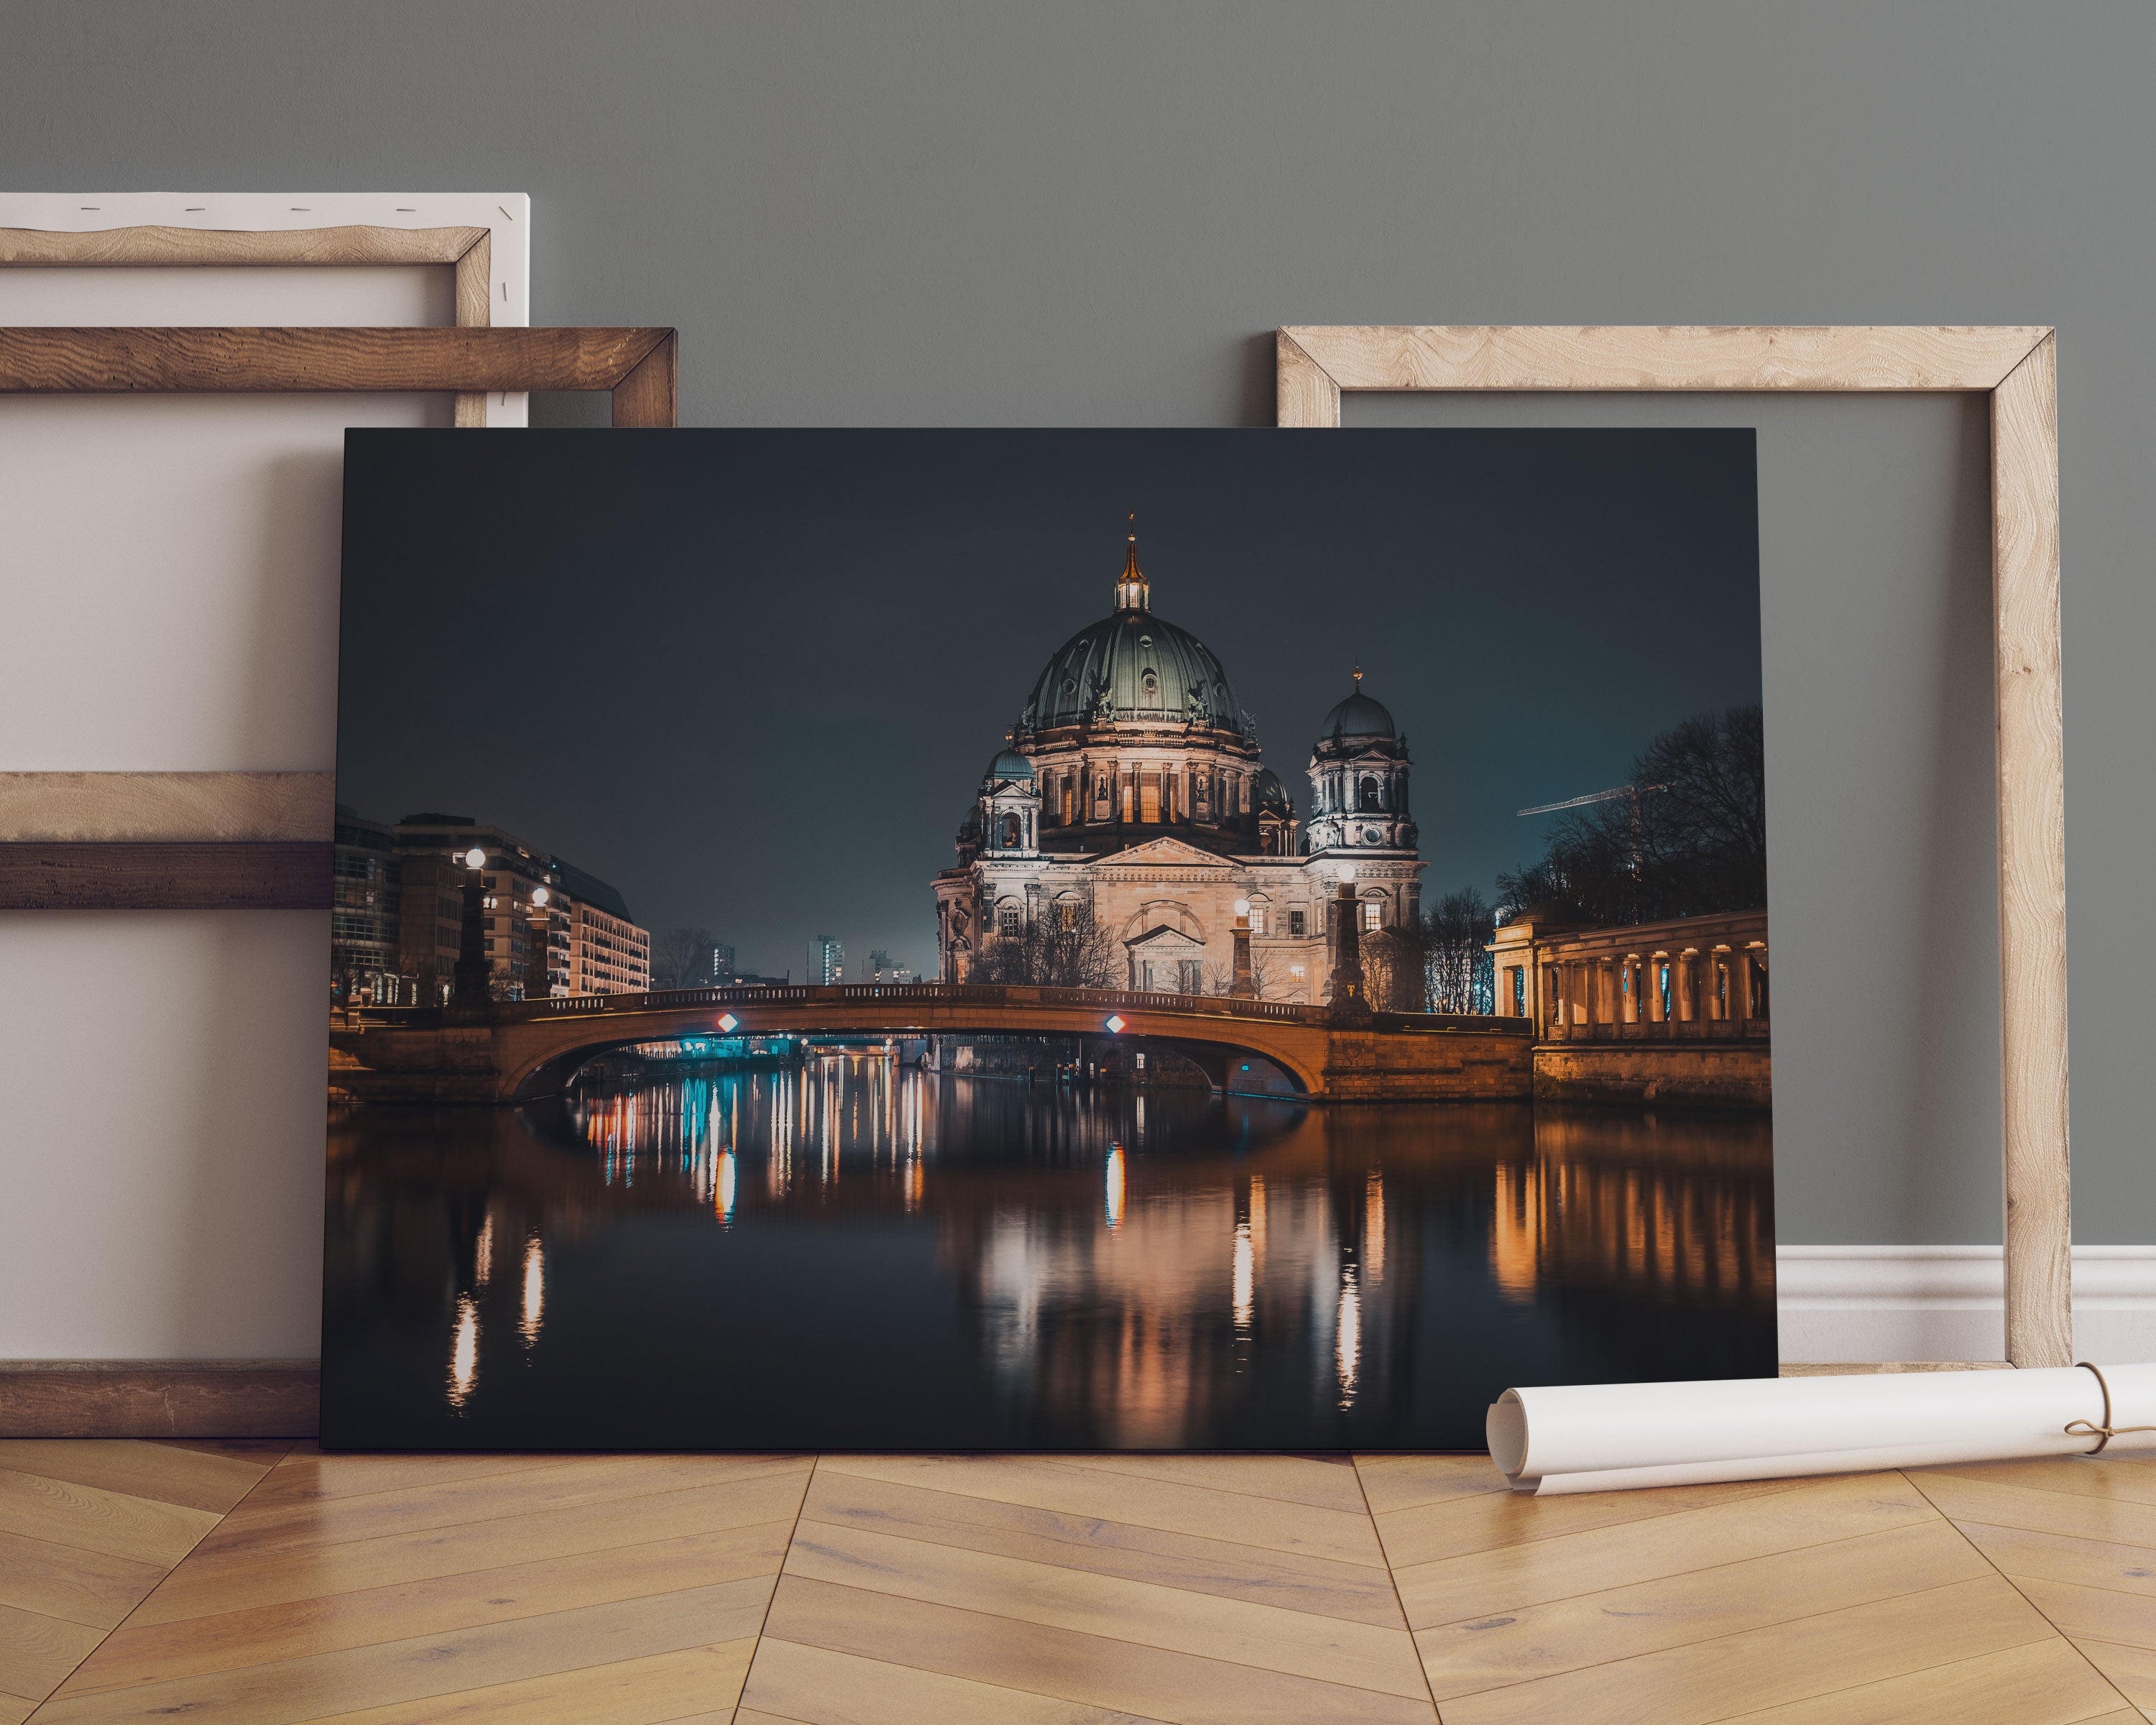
[[36, 1651], [159, 1652], [2021, 1553], [2131, 1669], [2041, 1683], [429, 1503], [1397, 1482], [392, 1559], [1536, 1571], [424, 1667], [117, 1524], [2099, 1612], [1344, 1536], [1961, 1497], [633, 1692], [1320, 1585], [814, 1686], [1112, 1674], [1699, 1604], [85, 1586], [1322, 1482], [1173, 1620], [1475, 1523], [1797, 1662], [155, 1470]]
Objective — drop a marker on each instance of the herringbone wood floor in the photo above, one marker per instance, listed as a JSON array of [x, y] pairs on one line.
[[253, 1583]]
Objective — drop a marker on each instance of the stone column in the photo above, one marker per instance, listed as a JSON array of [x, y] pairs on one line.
[[1681, 986], [1348, 998], [1740, 983]]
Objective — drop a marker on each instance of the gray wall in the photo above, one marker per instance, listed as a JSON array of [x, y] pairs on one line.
[[1083, 214]]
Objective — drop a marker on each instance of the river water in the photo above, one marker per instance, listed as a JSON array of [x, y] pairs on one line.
[[854, 1255]]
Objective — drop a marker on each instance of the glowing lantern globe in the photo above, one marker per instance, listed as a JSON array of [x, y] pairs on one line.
[[728, 1021], [1115, 1024]]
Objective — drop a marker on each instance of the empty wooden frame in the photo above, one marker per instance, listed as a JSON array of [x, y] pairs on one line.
[[258, 840], [468, 250], [2016, 368]]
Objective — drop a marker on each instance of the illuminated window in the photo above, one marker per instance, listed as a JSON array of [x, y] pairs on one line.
[[1066, 913], [1258, 915], [1373, 915], [1007, 921], [1296, 972]]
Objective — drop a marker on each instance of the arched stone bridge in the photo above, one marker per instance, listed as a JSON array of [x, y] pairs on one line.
[[515, 1050]]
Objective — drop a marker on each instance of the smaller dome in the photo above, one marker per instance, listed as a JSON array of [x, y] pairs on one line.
[[1357, 716], [1009, 764], [1272, 794]]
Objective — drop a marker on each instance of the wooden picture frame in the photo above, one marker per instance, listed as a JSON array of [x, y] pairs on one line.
[[2015, 366], [467, 248], [258, 840]]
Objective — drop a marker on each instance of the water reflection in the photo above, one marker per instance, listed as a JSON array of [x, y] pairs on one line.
[[855, 1253]]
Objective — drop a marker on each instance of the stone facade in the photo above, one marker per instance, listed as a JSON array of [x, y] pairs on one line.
[[1132, 801]]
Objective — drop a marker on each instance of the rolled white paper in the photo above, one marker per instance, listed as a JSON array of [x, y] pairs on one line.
[[1606, 1437]]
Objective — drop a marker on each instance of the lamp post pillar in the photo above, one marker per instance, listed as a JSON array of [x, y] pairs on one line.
[[471, 989], [1349, 1000], [1245, 986]]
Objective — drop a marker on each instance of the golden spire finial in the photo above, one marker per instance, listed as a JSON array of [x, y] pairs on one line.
[[1132, 592], [1358, 676]]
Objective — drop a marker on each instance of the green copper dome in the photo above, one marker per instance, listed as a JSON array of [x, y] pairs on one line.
[[1134, 668]]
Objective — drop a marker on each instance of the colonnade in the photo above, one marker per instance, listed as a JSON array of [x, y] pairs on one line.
[[1722, 984]]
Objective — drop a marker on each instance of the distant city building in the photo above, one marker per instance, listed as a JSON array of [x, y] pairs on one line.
[[365, 968], [1129, 813], [750, 979], [722, 961], [547, 927], [826, 961], [902, 976]]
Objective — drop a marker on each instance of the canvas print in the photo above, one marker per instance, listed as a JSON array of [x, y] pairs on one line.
[[1042, 939]]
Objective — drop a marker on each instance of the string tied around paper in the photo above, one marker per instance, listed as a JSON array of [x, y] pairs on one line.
[[2105, 1433]]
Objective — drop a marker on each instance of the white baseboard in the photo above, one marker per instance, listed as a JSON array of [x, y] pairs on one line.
[[1896, 1302]]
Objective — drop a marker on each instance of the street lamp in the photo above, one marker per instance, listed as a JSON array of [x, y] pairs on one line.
[[539, 898], [1115, 1024], [473, 971]]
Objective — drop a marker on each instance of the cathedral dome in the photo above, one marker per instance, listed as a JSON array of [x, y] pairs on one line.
[[1134, 668], [1010, 764], [1357, 717], [1272, 795]]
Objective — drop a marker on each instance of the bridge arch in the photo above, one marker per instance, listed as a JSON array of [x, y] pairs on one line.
[[539, 1047]]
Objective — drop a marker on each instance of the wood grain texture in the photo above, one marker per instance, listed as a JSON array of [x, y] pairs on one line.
[[475, 310], [1306, 396], [649, 395], [273, 875], [158, 1399], [1401, 356], [161, 247], [122, 361], [2032, 868], [166, 808]]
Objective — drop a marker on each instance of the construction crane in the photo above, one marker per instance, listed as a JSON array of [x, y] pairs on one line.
[[1634, 790]]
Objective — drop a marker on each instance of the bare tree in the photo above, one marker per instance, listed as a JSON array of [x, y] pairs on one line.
[[1457, 961], [1064, 947], [1221, 978], [1691, 837], [681, 958]]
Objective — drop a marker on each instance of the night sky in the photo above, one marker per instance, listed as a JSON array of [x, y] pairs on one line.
[[753, 677]]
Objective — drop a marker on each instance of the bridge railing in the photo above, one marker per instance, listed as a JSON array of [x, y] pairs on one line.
[[1103, 1001]]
